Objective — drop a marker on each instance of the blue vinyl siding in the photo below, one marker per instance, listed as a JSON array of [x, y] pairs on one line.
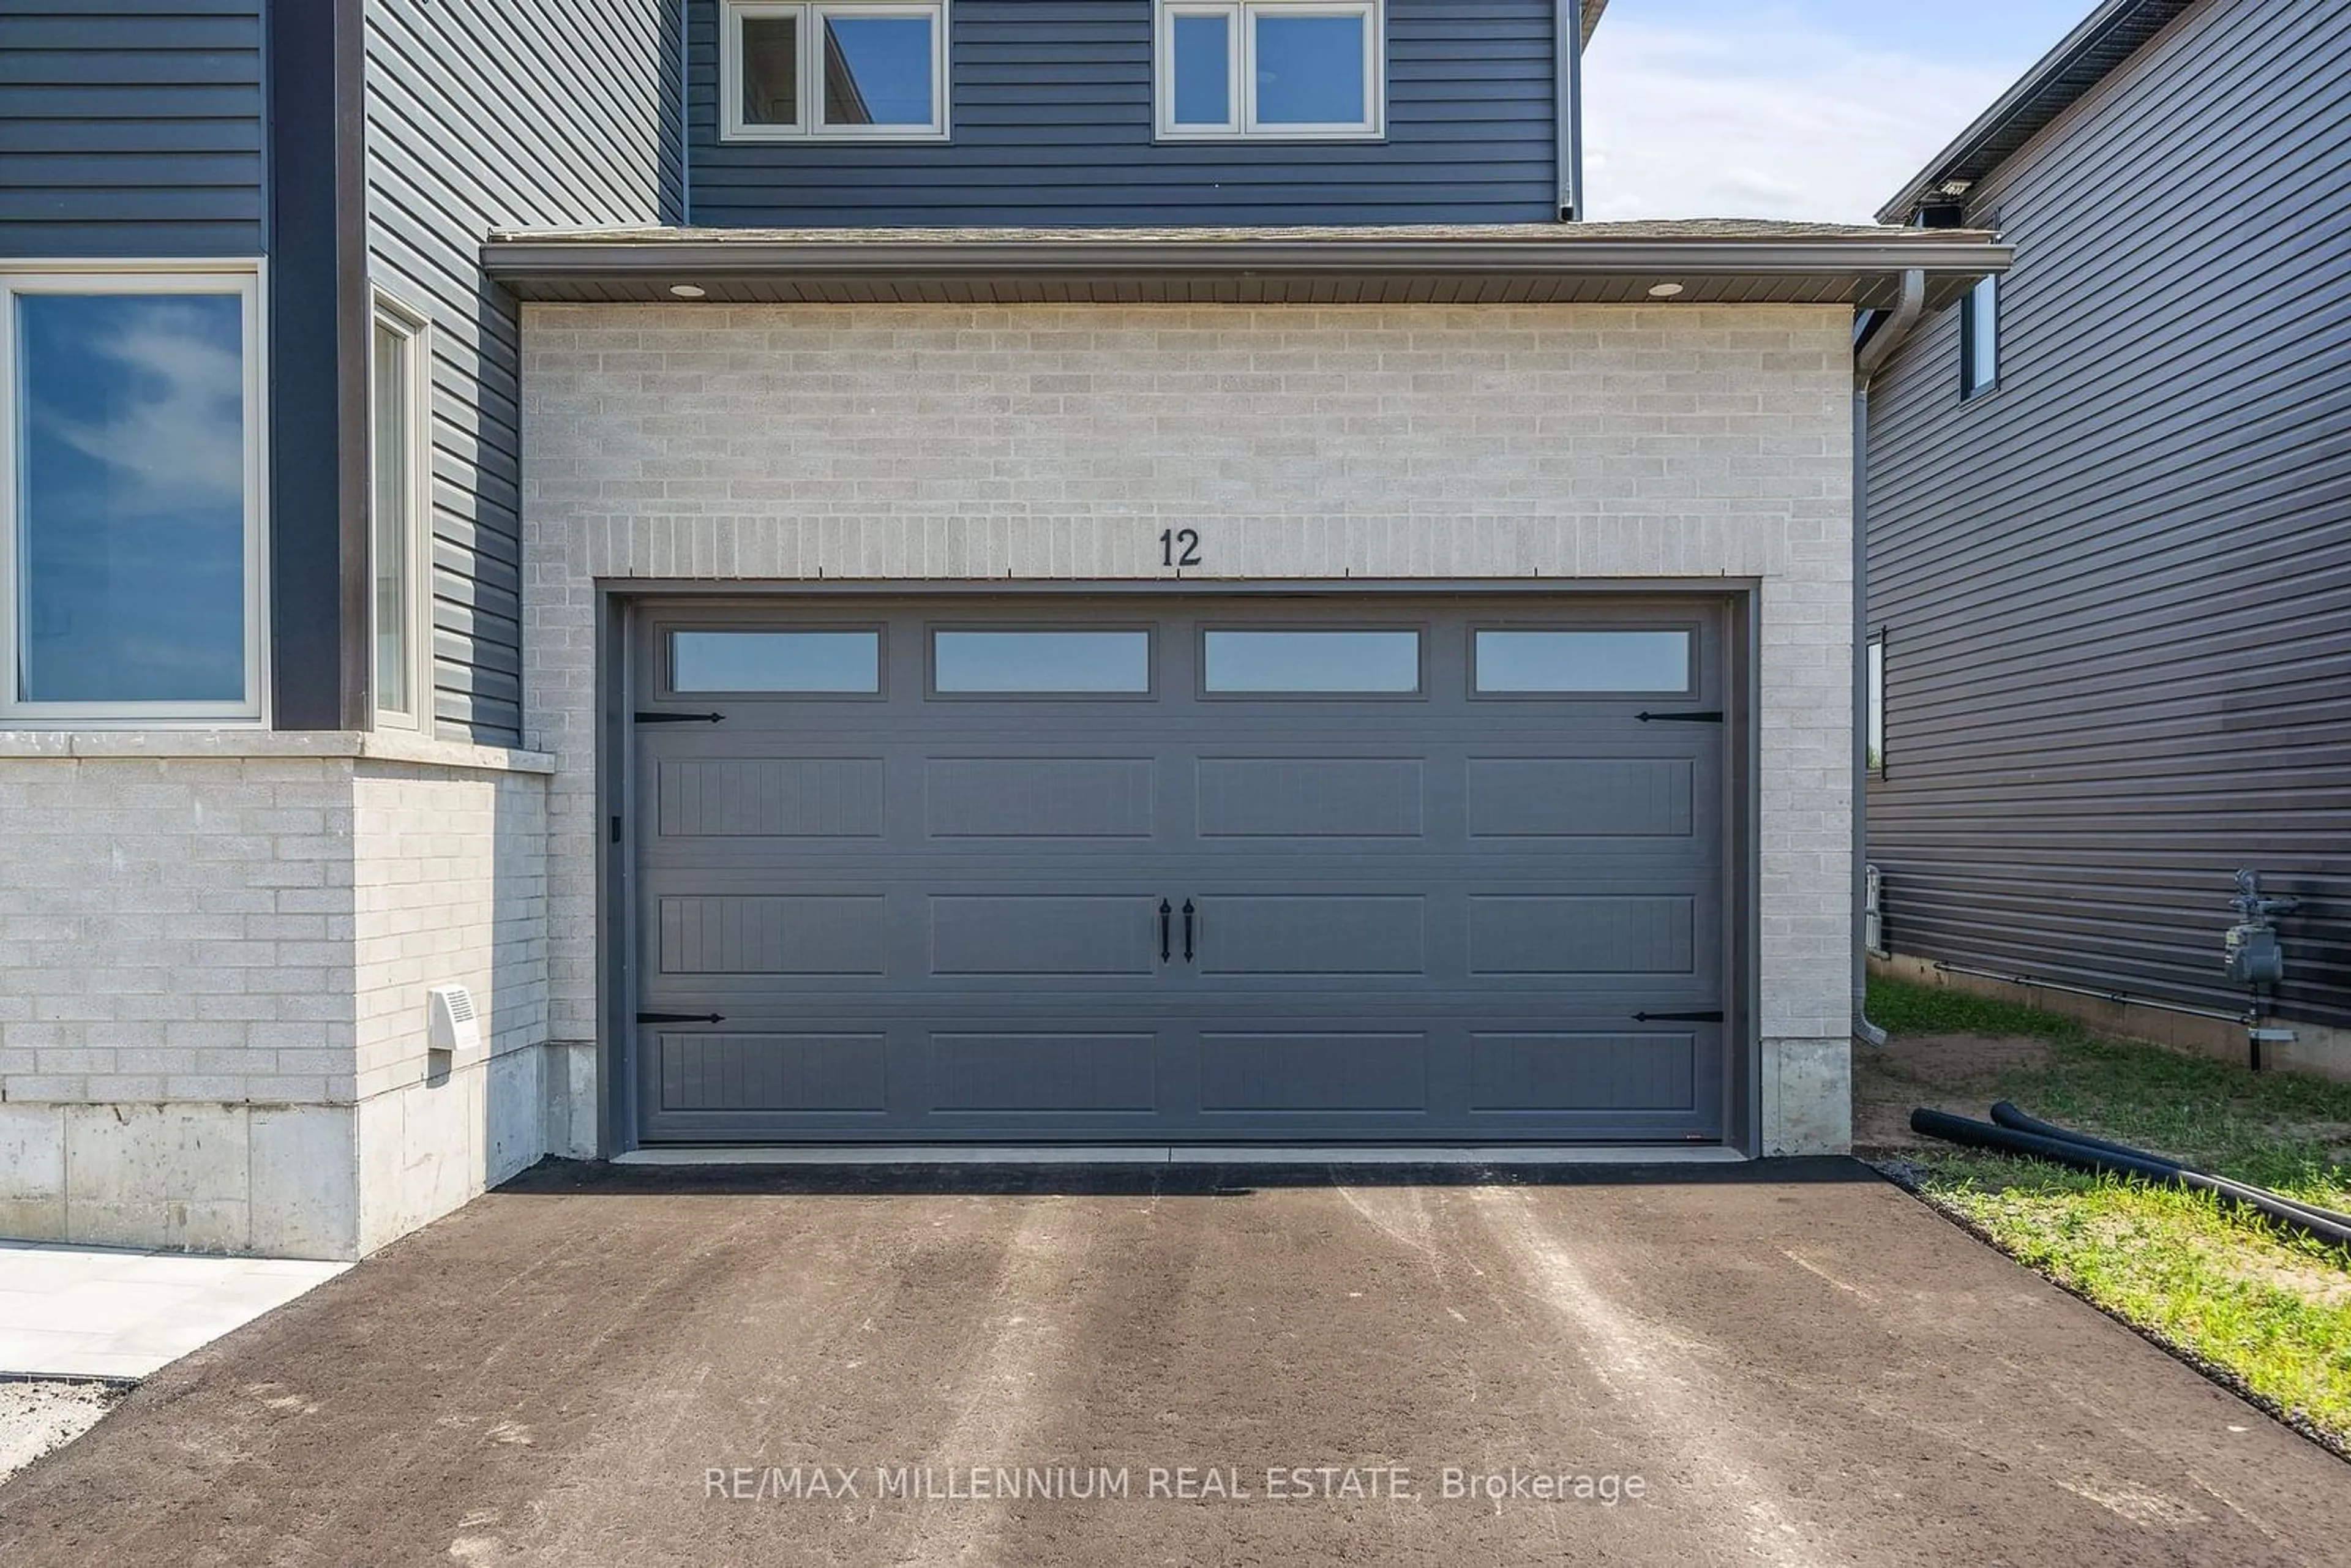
[[130, 128], [526, 113], [1051, 107]]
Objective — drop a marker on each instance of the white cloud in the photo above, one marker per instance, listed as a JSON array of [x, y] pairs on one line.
[[175, 442], [1770, 120]]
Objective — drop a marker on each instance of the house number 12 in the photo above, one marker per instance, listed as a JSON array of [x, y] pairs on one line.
[[1179, 547]]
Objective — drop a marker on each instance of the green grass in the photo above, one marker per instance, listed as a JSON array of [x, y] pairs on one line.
[[2268, 1306], [1900, 1008]]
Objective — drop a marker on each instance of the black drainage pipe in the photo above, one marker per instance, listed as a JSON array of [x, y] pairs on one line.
[[2009, 1116], [2079, 1157]]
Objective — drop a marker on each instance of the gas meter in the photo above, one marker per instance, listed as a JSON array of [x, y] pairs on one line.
[[2249, 951]]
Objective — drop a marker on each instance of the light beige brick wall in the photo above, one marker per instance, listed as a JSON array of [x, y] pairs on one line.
[[1028, 443], [449, 889], [175, 930], [212, 978]]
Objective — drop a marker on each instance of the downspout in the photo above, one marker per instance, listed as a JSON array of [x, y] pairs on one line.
[[1868, 359], [1567, 23], [685, 85]]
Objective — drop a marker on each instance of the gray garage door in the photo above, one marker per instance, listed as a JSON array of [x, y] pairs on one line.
[[1253, 869]]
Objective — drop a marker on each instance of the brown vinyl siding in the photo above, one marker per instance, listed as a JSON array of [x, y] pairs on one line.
[[2117, 591]]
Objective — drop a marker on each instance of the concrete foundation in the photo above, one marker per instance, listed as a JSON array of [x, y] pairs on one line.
[[216, 955]]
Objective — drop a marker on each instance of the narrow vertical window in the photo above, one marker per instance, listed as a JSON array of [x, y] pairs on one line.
[[131, 497], [1979, 339], [1201, 61], [398, 418], [1873, 704], [768, 47]]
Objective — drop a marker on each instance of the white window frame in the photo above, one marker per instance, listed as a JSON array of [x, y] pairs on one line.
[[415, 330], [1979, 339], [1163, 48], [244, 278], [811, 15], [1241, 65], [1873, 707]]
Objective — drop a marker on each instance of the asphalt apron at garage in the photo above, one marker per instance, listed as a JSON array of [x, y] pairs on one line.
[[1786, 1362]]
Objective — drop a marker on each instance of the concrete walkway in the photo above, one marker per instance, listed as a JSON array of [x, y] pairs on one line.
[[109, 1312], [1791, 1365]]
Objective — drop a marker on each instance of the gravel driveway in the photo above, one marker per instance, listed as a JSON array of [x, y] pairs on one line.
[[1793, 1363], [36, 1417]]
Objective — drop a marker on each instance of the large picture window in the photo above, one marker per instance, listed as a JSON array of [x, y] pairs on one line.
[[1287, 69], [130, 492], [849, 69]]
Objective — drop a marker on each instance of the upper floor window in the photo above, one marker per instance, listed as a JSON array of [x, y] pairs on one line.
[[1281, 68], [1979, 339], [131, 496], [834, 69], [1874, 704]]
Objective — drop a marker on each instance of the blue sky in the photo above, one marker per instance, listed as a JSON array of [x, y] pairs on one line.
[[1793, 109]]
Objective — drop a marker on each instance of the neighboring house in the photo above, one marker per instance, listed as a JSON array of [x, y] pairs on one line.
[[2109, 524], [1227, 622]]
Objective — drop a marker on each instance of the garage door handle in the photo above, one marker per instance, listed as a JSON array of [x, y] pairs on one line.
[[1678, 1017], [1163, 913], [1187, 931], [680, 717], [681, 1017], [1710, 717]]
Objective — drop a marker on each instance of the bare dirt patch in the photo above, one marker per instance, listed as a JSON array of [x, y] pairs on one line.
[[2316, 1281], [1955, 1073], [2327, 1135]]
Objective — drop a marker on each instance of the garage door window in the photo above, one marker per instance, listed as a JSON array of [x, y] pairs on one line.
[[812, 663], [1042, 663], [1582, 663], [1311, 663]]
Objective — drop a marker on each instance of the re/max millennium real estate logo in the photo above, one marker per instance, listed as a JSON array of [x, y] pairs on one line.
[[1208, 1483]]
